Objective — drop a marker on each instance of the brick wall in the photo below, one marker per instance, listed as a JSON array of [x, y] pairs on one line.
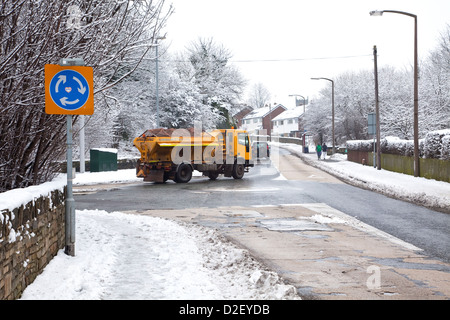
[[30, 236], [267, 120]]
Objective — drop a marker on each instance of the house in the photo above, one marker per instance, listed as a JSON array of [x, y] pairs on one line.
[[260, 119], [287, 124], [241, 114]]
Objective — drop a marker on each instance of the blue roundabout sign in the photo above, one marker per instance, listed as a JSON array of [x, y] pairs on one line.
[[69, 90]]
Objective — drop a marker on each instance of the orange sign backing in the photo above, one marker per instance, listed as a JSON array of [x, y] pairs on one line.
[[69, 90]]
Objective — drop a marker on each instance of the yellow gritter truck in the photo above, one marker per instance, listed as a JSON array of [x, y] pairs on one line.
[[175, 153]]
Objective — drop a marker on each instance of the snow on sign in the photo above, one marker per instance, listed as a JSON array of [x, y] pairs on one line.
[[69, 90]]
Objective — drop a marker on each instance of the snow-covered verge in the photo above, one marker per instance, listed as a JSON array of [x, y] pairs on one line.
[[119, 176], [426, 192], [125, 256]]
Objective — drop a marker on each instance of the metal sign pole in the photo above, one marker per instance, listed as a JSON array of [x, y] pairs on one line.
[[82, 157], [70, 202], [69, 91]]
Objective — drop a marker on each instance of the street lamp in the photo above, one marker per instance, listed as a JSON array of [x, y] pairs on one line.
[[377, 109], [332, 107], [157, 80], [416, 86], [304, 100]]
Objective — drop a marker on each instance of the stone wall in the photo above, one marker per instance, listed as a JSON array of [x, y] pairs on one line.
[[30, 236]]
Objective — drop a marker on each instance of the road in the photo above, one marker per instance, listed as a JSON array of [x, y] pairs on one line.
[[264, 185], [272, 196]]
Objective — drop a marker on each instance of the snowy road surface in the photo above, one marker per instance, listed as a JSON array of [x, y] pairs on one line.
[[123, 256]]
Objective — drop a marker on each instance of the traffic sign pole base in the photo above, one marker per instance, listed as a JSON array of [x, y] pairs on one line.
[[70, 249]]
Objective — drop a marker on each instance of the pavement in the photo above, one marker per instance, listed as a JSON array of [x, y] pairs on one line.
[[325, 253]]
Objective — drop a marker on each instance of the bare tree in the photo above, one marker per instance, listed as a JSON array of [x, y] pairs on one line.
[[111, 36], [259, 96]]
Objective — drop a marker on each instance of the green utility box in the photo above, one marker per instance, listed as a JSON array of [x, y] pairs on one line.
[[103, 159]]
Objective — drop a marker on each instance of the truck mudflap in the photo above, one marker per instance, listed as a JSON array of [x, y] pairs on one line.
[[155, 176]]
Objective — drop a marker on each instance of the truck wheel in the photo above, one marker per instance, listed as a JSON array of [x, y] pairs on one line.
[[213, 175], [238, 171], [184, 173]]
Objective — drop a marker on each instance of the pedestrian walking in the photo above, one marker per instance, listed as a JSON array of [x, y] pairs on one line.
[[324, 150], [319, 151]]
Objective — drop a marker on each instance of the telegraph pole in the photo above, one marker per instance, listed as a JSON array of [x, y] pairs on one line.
[[377, 109]]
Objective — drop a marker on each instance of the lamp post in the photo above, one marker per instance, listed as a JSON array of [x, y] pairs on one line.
[[332, 108], [157, 80], [416, 86], [304, 100], [377, 109]]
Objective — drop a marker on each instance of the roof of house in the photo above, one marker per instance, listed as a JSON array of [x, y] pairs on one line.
[[290, 114], [243, 112], [262, 112]]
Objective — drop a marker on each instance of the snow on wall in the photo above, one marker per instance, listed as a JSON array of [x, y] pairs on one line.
[[15, 198], [12, 200]]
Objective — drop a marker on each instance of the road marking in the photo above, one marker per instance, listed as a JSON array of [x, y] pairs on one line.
[[293, 225], [330, 212], [244, 190], [331, 215]]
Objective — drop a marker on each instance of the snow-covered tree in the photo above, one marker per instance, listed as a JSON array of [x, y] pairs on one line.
[[354, 100], [112, 36], [205, 65], [435, 91]]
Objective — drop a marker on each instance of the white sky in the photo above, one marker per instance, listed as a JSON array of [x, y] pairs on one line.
[[303, 29]]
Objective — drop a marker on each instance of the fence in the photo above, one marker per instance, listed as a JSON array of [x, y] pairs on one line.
[[429, 168]]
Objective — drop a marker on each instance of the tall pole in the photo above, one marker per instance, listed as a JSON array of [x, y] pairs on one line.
[[82, 157], [157, 80], [70, 202], [416, 104], [416, 87], [332, 109], [157, 88], [377, 108], [332, 114]]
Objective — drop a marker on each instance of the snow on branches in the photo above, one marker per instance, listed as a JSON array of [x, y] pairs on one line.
[[111, 36]]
